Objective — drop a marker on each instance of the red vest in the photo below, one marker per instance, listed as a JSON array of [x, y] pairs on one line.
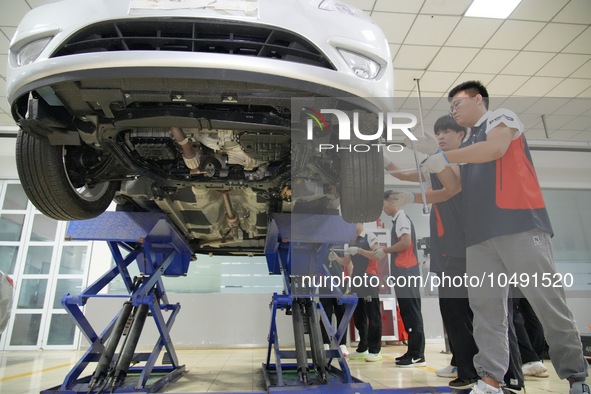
[[502, 197]]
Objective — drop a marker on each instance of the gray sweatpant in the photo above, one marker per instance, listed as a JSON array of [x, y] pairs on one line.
[[528, 254]]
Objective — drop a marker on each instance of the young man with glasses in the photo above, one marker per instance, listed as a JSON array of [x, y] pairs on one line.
[[448, 260], [507, 232]]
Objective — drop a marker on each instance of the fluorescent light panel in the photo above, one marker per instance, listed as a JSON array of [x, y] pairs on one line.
[[499, 9]]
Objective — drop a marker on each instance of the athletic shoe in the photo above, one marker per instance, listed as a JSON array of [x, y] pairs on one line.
[[462, 384], [371, 357], [411, 362], [484, 388], [358, 355], [579, 388], [447, 372], [513, 387], [405, 355], [509, 389], [535, 368], [344, 350]]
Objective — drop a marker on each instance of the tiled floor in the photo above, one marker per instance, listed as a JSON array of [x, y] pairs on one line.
[[238, 370]]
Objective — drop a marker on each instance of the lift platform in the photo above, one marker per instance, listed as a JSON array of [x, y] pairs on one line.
[[151, 241], [297, 248]]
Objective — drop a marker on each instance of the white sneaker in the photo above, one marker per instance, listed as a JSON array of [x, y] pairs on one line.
[[535, 368], [344, 350], [357, 355], [484, 388], [371, 357], [579, 388], [447, 372], [326, 346]]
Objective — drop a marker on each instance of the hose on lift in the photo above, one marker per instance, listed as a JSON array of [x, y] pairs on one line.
[[300, 341], [102, 368], [133, 337]]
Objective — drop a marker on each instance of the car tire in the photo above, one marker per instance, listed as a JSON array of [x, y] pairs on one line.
[[362, 186], [45, 180]]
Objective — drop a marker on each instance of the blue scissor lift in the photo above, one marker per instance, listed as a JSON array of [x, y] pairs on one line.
[[297, 246], [150, 240]]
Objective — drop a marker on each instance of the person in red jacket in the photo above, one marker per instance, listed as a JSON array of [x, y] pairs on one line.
[[405, 263], [448, 259], [359, 260], [508, 233]]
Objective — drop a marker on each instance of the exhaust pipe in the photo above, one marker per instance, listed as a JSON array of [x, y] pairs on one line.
[[231, 216], [189, 153]]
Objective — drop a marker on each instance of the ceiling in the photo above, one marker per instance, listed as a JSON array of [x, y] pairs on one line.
[[537, 62]]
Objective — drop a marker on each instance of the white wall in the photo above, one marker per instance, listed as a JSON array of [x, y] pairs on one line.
[[7, 163], [563, 169]]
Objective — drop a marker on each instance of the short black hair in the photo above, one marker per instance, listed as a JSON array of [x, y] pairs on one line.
[[447, 122], [472, 88]]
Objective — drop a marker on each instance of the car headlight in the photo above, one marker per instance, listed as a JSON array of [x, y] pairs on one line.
[[336, 5], [29, 53], [362, 67]]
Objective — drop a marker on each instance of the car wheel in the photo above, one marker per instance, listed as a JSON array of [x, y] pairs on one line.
[[44, 176], [362, 186]]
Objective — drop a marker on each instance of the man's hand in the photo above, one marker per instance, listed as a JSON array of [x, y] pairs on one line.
[[402, 198], [379, 253], [353, 250], [435, 164], [426, 144], [332, 256]]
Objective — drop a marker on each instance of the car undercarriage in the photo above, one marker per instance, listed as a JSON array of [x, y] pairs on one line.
[[217, 165], [193, 117]]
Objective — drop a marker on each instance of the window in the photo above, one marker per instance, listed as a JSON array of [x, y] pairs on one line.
[[571, 221], [43, 267]]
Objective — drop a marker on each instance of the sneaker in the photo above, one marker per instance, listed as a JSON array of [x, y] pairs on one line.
[[371, 357], [405, 355], [411, 362], [344, 350], [579, 388], [447, 372], [484, 388], [462, 384], [358, 355], [508, 389], [513, 387], [535, 368]]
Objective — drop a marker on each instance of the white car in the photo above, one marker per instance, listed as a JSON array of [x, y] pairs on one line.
[[6, 296], [185, 107]]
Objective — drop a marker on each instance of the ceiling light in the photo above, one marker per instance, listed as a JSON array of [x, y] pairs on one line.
[[499, 9]]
